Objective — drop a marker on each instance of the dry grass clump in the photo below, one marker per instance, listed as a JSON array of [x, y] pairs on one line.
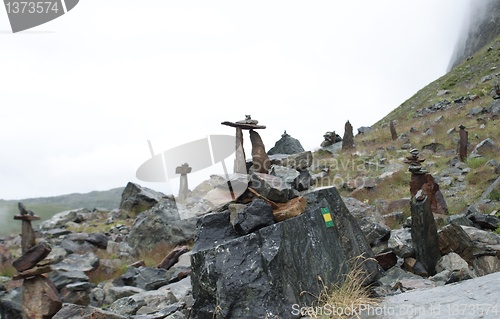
[[344, 300]]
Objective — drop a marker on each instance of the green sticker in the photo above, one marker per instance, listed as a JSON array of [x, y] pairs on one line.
[[327, 216]]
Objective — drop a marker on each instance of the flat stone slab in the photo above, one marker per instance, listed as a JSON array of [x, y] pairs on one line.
[[471, 299], [244, 126]]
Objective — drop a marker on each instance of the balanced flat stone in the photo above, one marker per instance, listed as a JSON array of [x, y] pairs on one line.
[[244, 126]]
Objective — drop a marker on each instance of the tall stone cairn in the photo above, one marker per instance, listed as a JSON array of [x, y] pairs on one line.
[[348, 140], [394, 134]]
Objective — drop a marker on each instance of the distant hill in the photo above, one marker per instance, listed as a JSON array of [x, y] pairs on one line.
[[45, 207]]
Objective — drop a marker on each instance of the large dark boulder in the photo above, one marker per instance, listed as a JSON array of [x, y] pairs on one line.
[[161, 223], [265, 272], [286, 145], [137, 199]]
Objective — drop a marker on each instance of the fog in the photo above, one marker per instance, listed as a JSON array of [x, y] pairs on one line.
[[82, 95]]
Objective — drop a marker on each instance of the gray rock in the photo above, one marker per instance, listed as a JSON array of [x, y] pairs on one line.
[[288, 175], [424, 234], [156, 300], [452, 262], [485, 265], [364, 129], [121, 249], [400, 243], [113, 293], [161, 223], [483, 221], [214, 229], [304, 181], [77, 246], [484, 147], [99, 240], [286, 145], [172, 311], [477, 298], [71, 311], [137, 199], [396, 274], [272, 187], [268, 270], [476, 110], [76, 263], [10, 304], [299, 161], [181, 289], [257, 215], [63, 277], [459, 219], [482, 236], [61, 219], [373, 231], [143, 277]]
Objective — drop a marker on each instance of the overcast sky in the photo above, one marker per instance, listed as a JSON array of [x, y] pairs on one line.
[[81, 95]]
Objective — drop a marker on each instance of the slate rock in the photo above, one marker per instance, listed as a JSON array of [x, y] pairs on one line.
[[303, 181], [299, 161], [373, 231], [255, 216], [214, 229], [288, 175], [459, 219], [113, 293], [485, 265], [387, 260], [61, 219], [271, 268], [424, 234], [272, 187], [156, 300], [63, 278], [71, 311], [484, 147], [143, 277], [483, 221], [99, 240], [400, 243], [453, 239], [39, 298], [452, 262], [286, 145], [161, 223], [11, 304], [76, 262], [136, 198]]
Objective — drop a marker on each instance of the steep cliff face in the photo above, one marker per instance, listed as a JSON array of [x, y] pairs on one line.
[[480, 27]]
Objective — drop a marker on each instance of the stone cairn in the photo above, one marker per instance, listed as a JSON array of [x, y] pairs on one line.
[[394, 134], [183, 170], [330, 138], [39, 295], [422, 180], [462, 143], [423, 227], [261, 162], [348, 140]]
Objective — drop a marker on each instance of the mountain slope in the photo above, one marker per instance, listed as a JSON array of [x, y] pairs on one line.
[[45, 207]]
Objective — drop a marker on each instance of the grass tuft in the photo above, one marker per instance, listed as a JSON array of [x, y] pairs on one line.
[[341, 300]]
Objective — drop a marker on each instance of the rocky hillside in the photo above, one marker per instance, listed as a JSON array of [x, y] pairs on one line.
[[430, 121], [482, 26], [46, 207]]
